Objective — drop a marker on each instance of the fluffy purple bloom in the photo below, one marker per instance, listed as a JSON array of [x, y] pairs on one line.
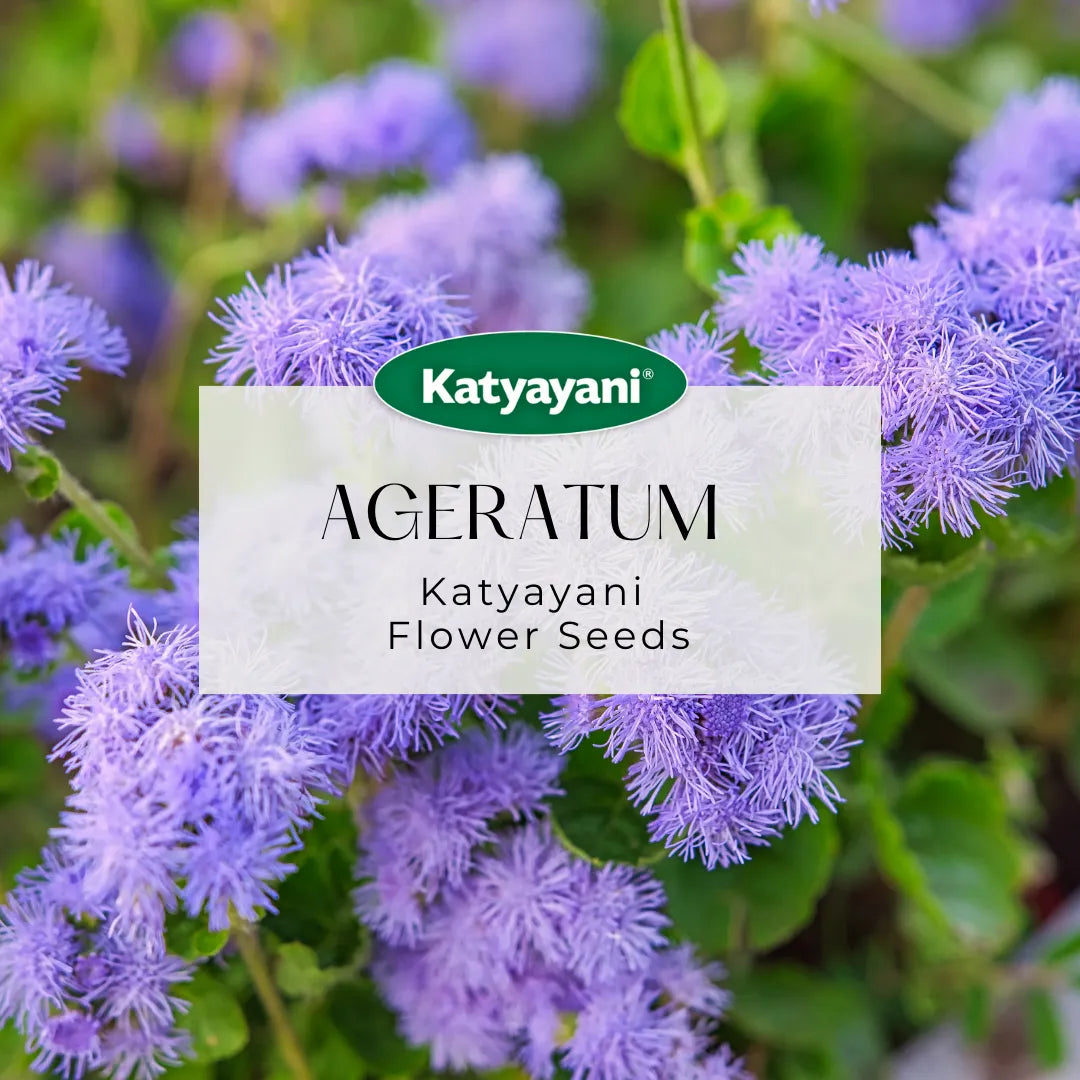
[[370, 730], [208, 51], [490, 235], [50, 597], [134, 136], [330, 318], [176, 796], [399, 116], [717, 775], [82, 997], [935, 25], [490, 932], [116, 270], [46, 335], [1031, 150], [541, 55], [971, 405], [703, 354]]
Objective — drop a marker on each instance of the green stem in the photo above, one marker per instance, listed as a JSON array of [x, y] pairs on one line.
[[125, 542], [251, 952], [909, 80], [679, 43]]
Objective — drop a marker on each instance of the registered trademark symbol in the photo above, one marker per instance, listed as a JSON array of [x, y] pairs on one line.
[[647, 373]]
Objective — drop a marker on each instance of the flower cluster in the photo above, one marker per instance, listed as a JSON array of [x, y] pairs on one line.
[[117, 270], [331, 318], [368, 731], [46, 334], [703, 353], [82, 996], [971, 406], [180, 798], [489, 234], [208, 51], [492, 937], [400, 116], [717, 775], [540, 55]]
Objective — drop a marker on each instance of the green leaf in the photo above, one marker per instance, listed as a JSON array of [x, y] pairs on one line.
[[952, 608], [758, 904], [299, 975], [714, 232], [794, 1008], [595, 819], [1044, 1032], [75, 521], [370, 1028], [1037, 520], [989, 678], [1063, 950], [978, 1013], [215, 1020], [882, 720], [191, 939], [38, 473], [934, 570], [948, 845], [22, 765], [648, 111]]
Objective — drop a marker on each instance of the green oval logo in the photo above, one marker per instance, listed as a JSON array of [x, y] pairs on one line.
[[526, 382]]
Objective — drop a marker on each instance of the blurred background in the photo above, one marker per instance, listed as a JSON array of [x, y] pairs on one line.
[[118, 122]]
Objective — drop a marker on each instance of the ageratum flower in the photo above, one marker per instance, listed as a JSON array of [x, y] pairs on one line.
[[971, 408], [115, 269], [541, 55], [703, 354], [51, 599], [83, 997], [935, 25], [46, 336], [400, 116], [180, 798], [490, 233], [717, 775], [1031, 150], [330, 318], [208, 51], [370, 730], [491, 935]]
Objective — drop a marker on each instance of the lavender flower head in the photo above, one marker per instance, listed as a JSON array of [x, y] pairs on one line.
[[180, 798], [490, 932], [117, 270], [703, 354], [717, 775], [971, 408], [330, 318], [1030, 151], [541, 55], [490, 234], [208, 51], [134, 137], [82, 997], [935, 25], [399, 116], [46, 335]]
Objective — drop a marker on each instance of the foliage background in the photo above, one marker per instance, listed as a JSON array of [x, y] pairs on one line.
[[958, 838]]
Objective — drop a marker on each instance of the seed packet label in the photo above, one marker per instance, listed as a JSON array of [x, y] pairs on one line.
[[729, 544]]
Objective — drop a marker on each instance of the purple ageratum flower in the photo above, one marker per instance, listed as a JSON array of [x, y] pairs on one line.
[[208, 51], [116, 270], [46, 335], [331, 318], [952, 383], [49, 597], [400, 116], [82, 997], [490, 234], [171, 786], [484, 962], [134, 137], [1031, 150], [935, 25], [718, 775], [370, 730], [703, 354], [541, 55]]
